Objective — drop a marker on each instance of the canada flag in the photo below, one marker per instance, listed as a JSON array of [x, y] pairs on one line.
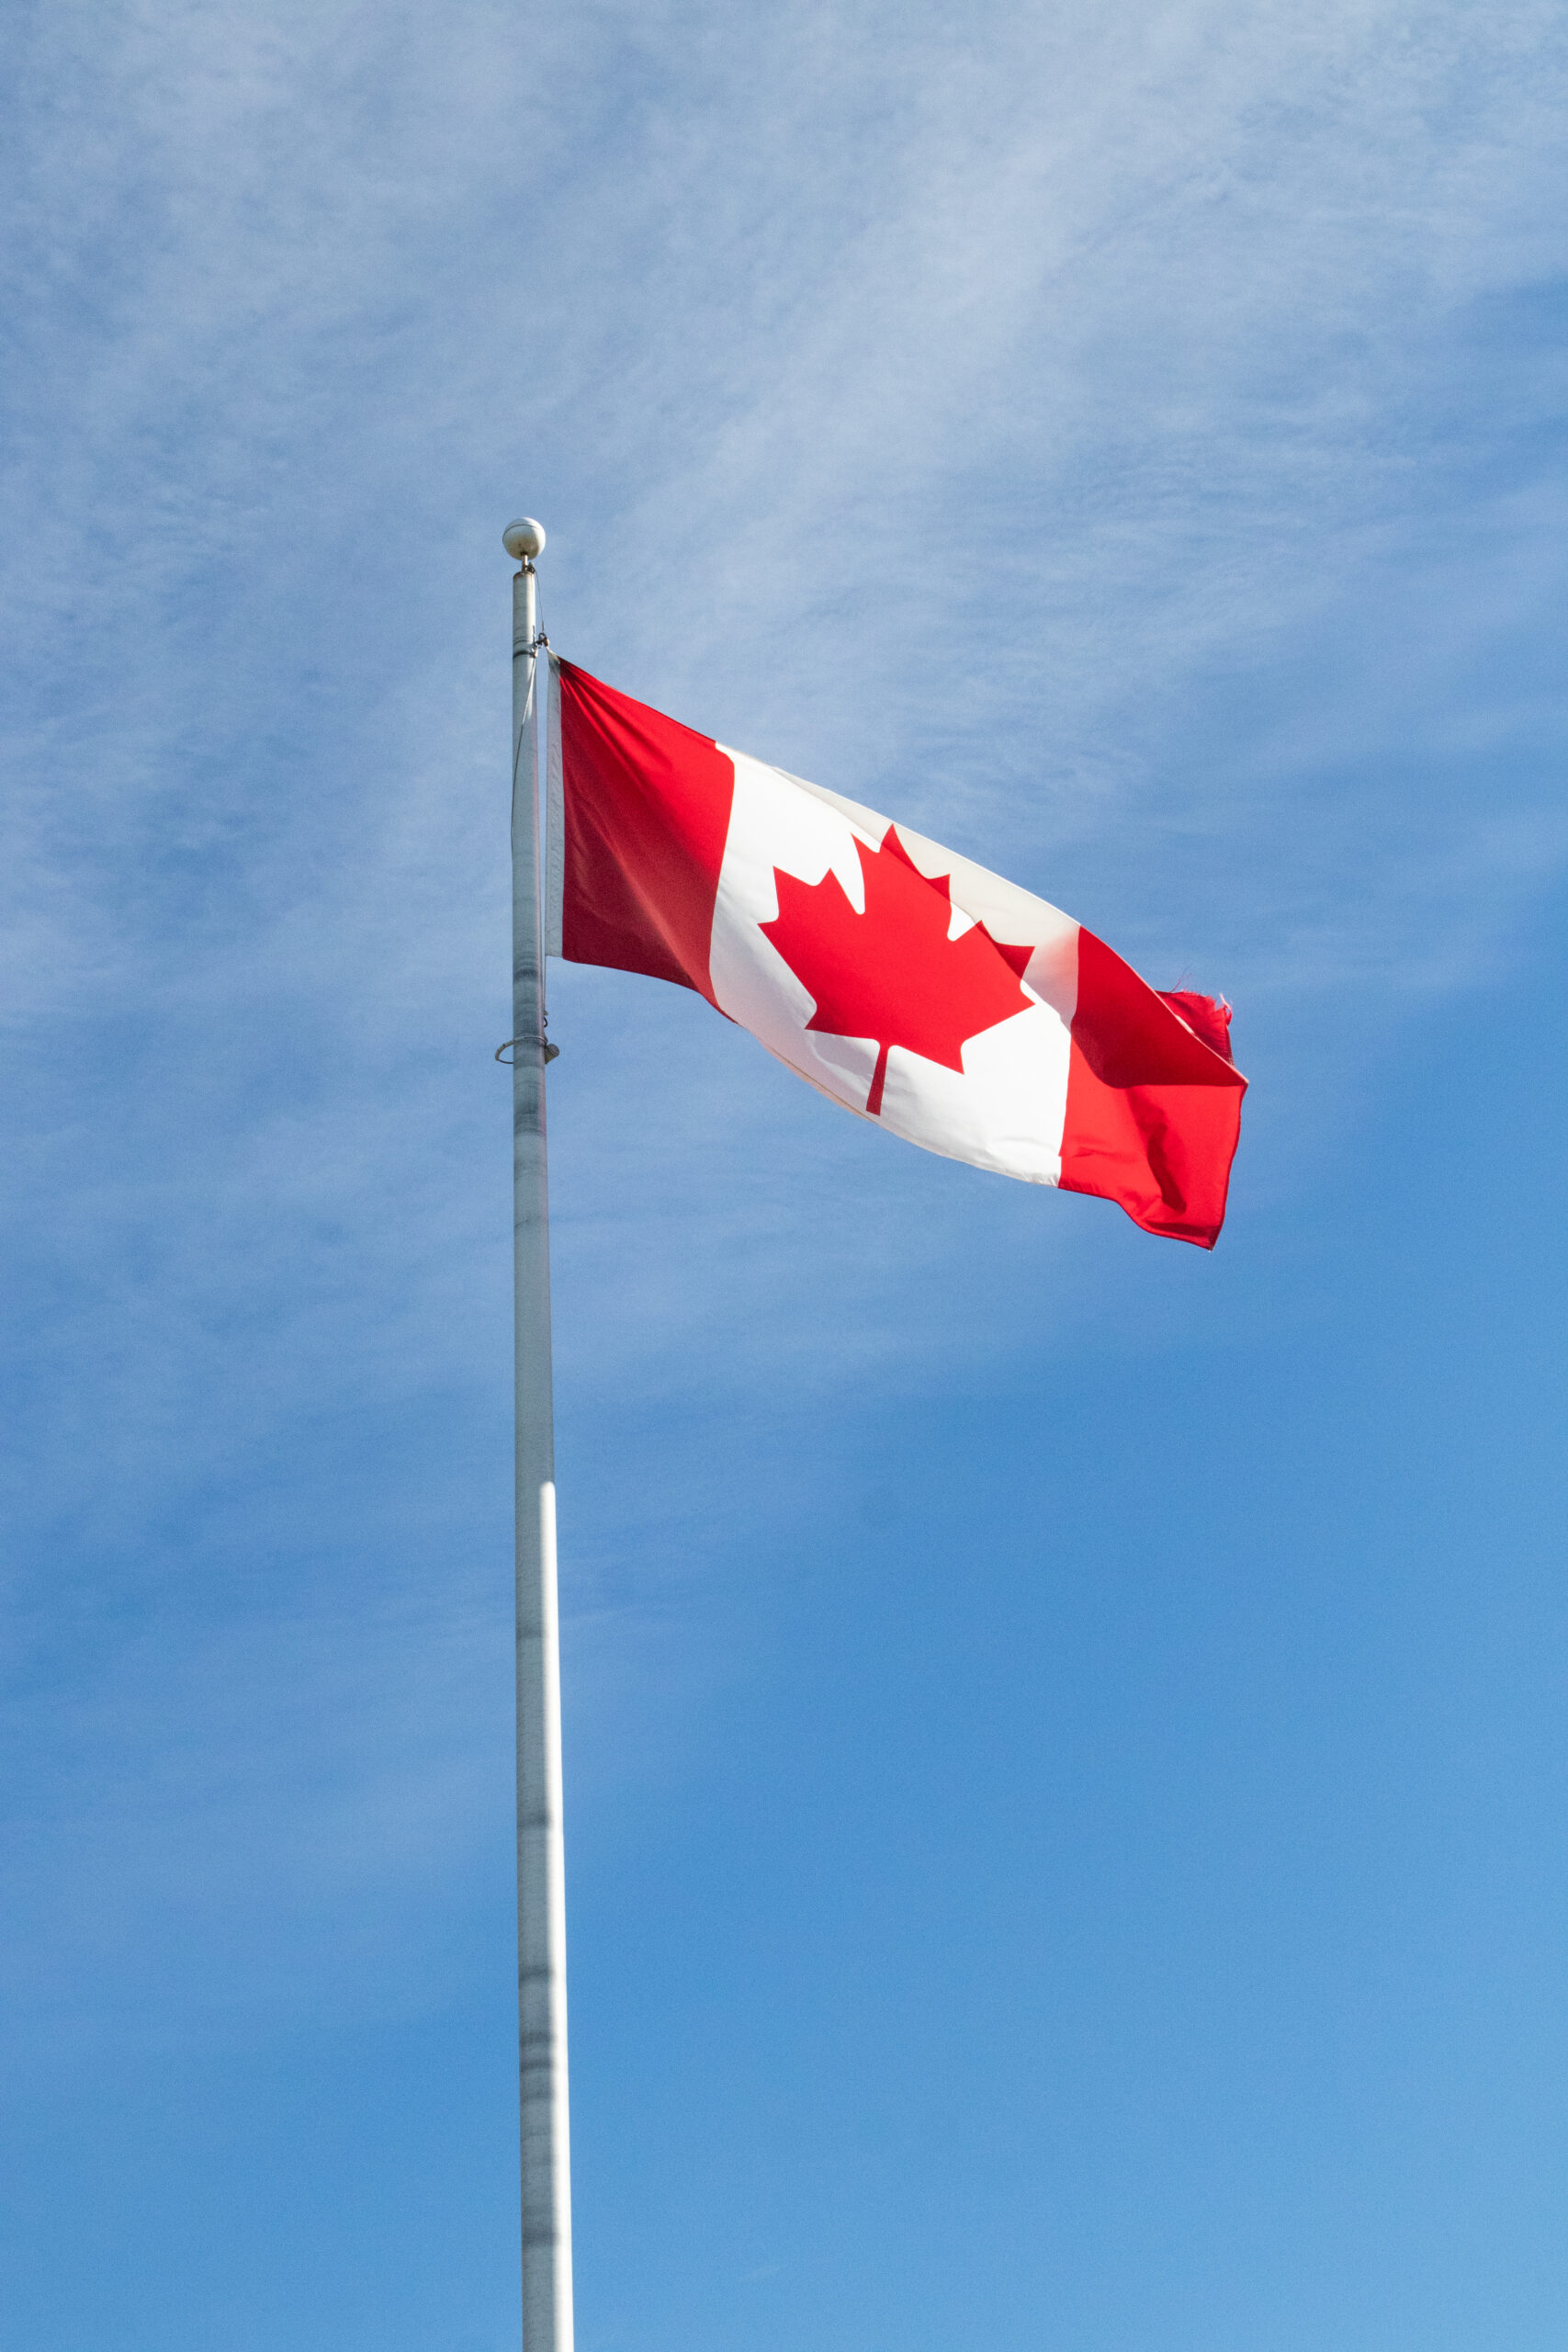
[[915, 988]]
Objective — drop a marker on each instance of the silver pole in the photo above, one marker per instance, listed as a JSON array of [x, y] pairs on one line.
[[541, 1862]]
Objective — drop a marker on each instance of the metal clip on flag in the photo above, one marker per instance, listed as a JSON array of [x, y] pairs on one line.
[[911, 986]]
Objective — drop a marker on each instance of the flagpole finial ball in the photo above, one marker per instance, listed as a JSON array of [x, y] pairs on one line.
[[525, 538]]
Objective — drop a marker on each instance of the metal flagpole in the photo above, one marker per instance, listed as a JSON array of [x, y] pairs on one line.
[[541, 1866]]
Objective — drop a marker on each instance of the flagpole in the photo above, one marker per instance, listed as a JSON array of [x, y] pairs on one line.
[[541, 1865]]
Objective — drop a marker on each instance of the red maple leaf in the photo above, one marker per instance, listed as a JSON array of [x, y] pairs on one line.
[[893, 973]]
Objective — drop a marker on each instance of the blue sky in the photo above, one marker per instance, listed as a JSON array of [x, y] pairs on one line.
[[1065, 1736]]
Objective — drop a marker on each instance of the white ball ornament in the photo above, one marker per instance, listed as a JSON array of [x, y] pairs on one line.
[[524, 539]]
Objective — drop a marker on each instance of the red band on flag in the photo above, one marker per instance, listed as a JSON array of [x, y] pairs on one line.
[[1154, 1111], [646, 813]]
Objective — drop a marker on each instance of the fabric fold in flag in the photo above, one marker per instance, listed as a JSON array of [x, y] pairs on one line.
[[912, 986]]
